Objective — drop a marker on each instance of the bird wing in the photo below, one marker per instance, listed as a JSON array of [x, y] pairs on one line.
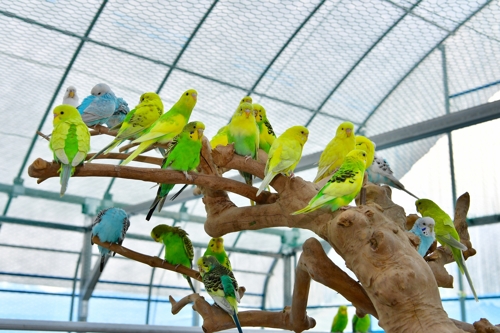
[[168, 125], [188, 246], [452, 242]]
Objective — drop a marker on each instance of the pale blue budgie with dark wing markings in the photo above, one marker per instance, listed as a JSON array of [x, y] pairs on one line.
[[110, 225], [70, 97], [380, 173], [119, 115], [424, 229], [100, 108], [221, 285]]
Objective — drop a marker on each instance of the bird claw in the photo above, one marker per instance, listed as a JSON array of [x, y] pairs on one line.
[[344, 208], [247, 158], [292, 175], [188, 176]]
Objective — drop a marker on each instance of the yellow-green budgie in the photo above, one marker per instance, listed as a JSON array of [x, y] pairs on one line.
[[220, 138], [334, 153], [149, 109], [363, 143], [168, 125], [284, 154], [216, 248], [340, 320], [446, 234], [266, 133], [70, 141], [343, 186], [243, 132]]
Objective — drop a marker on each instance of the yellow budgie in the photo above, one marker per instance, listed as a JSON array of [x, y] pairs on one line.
[[284, 154], [266, 133], [149, 109], [220, 138], [334, 153], [363, 143], [168, 126]]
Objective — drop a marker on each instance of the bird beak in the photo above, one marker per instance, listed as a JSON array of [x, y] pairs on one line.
[[71, 94], [348, 131], [195, 96], [247, 111], [55, 115], [200, 132]]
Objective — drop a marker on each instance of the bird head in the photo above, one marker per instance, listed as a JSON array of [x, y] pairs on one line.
[[357, 154], [260, 112], [246, 99], [423, 205], [345, 129], [71, 92], [195, 130], [188, 98], [159, 230], [343, 309], [207, 263], [216, 244], [426, 225], [368, 146], [64, 112], [100, 89]]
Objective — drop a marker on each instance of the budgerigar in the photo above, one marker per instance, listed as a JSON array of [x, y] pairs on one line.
[[149, 109], [220, 138], [243, 132], [221, 285], [101, 107], [70, 141], [424, 229], [168, 125], [340, 320], [336, 150], [266, 133], [446, 234], [119, 115], [110, 225], [360, 325], [216, 248], [343, 185], [285, 154], [182, 155], [380, 173], [71, 97], [178, 247], [363, 143]]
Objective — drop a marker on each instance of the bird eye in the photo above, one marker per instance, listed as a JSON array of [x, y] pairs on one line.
[[187, 94], [302, 132], [62, 112], [342, 128]]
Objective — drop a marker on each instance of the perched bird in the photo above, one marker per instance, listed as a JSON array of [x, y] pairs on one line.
[[70, 97], [343, 186], [220, 138], [363, 143], [99, 106], [424, 229], [182, 155], [243, 132], [70, 141], [266, 133], [340, 320], [149, 109], [360, 325], [168, 125], [216, 248], [285, 154], [380, 173], [119, 115], [110, 225], [178, 247], [221, 285], [333, 155], [446, 234]]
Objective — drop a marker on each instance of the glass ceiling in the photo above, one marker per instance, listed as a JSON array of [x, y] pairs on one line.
[[377, 63]]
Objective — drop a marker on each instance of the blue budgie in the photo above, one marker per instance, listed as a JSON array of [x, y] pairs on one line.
[[380, 173], [119, 115], [110, 225], [99, 106], [70, 97], [424, 229]]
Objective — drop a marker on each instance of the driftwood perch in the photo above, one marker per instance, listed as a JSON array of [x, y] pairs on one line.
[[396, 285]]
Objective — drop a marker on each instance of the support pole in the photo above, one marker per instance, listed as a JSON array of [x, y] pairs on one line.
[[85, 271]]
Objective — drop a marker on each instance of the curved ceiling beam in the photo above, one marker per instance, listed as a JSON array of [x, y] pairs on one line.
[[184, 48], [59, 86], [363, 124], [285, 46], [359, 62]]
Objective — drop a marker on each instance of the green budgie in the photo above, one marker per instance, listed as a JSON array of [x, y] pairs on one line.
[[340, 320], [266, 133], [221, 285], [446, 234], [216, 248], [70, 141], [243, 132], [343, 185], [168, 125], [360, 325], [178, 247]]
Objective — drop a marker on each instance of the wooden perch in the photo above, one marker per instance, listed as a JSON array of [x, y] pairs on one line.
[[99, 129]]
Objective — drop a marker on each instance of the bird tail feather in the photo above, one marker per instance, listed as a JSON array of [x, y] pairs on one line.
[[306, 209], [102, 263], [237, 322], [106, 149], [179, 192], [265, 182], [142, 147], [66, 171], [413, 195], [153, 207], [190, 284], [464, 269]]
